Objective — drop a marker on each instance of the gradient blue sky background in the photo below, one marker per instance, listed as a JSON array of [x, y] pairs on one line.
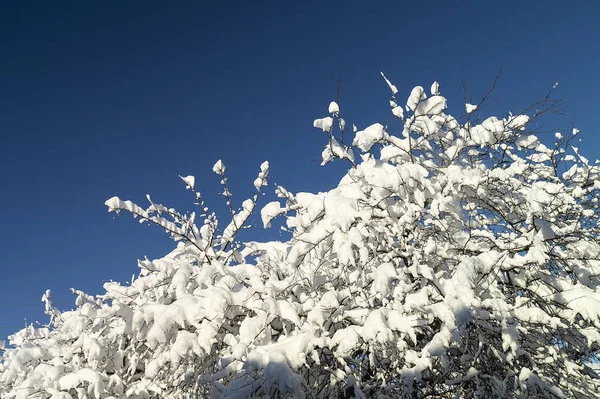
[[103, 98]]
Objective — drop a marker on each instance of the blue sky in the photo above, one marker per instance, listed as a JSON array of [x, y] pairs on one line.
[[119, 98]]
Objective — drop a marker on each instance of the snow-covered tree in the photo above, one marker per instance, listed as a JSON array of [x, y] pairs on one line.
[[458, 257]]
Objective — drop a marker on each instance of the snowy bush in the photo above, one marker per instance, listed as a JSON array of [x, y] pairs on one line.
[[456, 258]]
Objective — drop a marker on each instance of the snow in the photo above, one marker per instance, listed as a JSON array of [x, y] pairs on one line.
[[341, 207], [333, 108], [518, 122], [325, 124], [346, 340], [218, 167], [529, 141], [416, 96], [269, 212], [528, 379], [393, 88], [335, 149], [545, 229], [470, 108], [190, 181], [238, 220], [398, 112], [488, 132], [431, 106], [73, 380], [435, 89], [382, 278], [365, 139], [510, 340], [114, 204], [264, 167]]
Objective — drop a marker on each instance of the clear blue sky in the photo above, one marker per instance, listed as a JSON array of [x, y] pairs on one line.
[[119, 98]]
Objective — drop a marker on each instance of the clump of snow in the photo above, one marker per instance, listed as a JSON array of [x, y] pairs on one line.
[[190, 181], [398, 112], [261, 180], [431, 106], [470, 108], [333, 108], [435, 89], [324, 124], [218, 167], [416, 96], [269, 212], [393, 88], [365, 139], [84, 375]]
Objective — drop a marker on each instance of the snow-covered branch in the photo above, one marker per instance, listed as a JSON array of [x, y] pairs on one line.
[[457, 257]]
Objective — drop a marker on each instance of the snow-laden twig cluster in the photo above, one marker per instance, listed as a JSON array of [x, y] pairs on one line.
[[456, 258]]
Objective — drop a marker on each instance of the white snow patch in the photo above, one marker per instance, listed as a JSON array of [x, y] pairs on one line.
[[218, 167], [190, 181], [366, 138], [390, 85], [324, 123], [470, 108], [334, 108]]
